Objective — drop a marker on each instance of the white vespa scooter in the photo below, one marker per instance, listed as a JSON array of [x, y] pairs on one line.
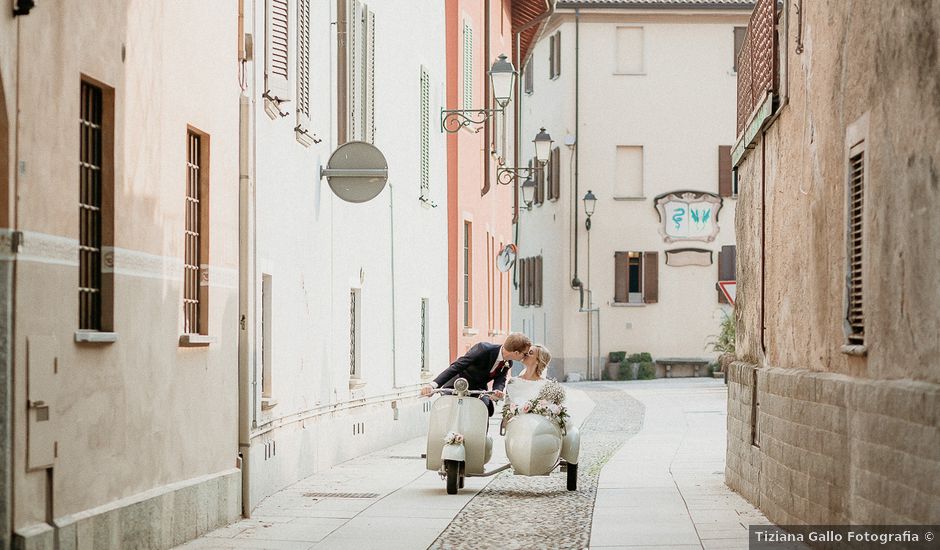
[[459, 446]]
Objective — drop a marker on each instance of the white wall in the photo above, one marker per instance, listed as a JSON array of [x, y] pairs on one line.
[[679, 109]]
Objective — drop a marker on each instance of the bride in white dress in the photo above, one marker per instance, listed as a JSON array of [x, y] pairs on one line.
[[525, 387]]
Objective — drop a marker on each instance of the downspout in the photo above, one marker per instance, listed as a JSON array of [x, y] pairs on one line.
[[515, 157], [575, 282], [486, 99], [391, 238]]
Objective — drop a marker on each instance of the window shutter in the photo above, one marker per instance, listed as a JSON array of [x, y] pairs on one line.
[[650, 277], [368, 80], [303, 65], [557, 57], [739, 34], [354, 68], [467, 65], [724, 171], [529, 77], [556, 173], [342, 72], [530, 277], [539, 181], [277, 49], [538, 280], [551, 56], [550, 167], [425, 134], [726, 267], [620, 277], [520, 270]]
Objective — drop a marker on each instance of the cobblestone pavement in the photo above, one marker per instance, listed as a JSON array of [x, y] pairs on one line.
[[539, 512]]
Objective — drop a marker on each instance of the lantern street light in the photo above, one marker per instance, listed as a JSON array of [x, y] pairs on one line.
[[590, 201], [543, 147], [502, 78], [528, 192]]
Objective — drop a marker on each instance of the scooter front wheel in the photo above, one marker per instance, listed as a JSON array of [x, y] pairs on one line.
[[452, 471]]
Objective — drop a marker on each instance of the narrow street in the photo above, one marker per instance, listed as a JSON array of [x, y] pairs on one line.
[[651, 475]]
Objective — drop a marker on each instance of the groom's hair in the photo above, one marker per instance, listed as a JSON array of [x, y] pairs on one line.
[[517, 342]]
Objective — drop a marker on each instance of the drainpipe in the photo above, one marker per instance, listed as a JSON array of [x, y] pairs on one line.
[[391, 232], [515, 155], [486, 99], [575, 282]]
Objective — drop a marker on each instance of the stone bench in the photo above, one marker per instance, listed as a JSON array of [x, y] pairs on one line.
[[679, 367]]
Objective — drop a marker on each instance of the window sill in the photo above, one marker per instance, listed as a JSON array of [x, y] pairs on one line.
[[616, 73], [470, 331], [268, 403], [95, 337], [197, 340], [856, 350], [356, 383], [629, 198], [627, 304]]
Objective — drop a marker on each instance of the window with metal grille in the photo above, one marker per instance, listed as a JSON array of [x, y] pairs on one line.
[[855, 317], [90, 207], [467, 65], [191, 264], [355, 314], [425, 135], [467, 272], [425, 323]]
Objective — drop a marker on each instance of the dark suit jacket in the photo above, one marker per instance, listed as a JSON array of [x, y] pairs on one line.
[[475, 367]]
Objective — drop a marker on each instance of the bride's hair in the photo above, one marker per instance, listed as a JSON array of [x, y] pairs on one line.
[[542, 359]]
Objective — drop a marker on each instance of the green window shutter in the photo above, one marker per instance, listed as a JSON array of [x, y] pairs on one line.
[[467, 66]]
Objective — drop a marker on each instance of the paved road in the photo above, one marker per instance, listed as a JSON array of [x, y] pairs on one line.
[[651, 476]]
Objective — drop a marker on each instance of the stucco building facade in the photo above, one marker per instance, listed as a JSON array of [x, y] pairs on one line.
[[833, 401], [636, 96]]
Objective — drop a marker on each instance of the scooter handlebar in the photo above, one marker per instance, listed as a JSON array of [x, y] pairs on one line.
[[451, 391]]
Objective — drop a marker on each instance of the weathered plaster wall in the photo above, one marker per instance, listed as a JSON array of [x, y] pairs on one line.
[[843, 438]]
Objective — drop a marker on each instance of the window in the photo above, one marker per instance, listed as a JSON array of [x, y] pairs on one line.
[[266, 334], [425, 338], [739, 34], [554, 55], [636, 277], [277, 52], [425, 114], [196, 234], [355, 330], [303, 74], [96, 218], [855, 318], [630, 50], [726, 188], [356, 78], [628, 182], [467, 59], [530, 281], [726, 266], [734, 182], [467, 258], [529, 77]]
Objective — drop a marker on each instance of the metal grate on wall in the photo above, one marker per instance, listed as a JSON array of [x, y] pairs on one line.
[[192, 248], [90, 193], [854, 314]]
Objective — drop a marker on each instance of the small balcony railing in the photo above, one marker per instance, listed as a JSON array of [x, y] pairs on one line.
[[757, 61]]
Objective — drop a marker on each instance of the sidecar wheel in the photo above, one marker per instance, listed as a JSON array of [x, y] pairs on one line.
[[452, 469], [572, 477]]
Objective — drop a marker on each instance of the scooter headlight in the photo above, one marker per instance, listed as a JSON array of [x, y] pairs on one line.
[[461, 385]]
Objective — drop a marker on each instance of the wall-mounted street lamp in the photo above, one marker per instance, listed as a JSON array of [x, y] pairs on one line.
[[528, 192], [502, 78], [590, 201], [543, 148]]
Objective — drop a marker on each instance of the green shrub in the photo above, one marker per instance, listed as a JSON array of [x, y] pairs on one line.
[[712, 367], [617, 356], [626, 370], [640, 358], [724, 341], [646, 371], [604, 375]]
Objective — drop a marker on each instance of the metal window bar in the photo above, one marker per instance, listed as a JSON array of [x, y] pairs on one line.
[[89, 205], [855, 315], [192, 250]]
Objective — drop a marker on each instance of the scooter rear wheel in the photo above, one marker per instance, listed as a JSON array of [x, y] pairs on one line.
[[572, 477], [452, 470]]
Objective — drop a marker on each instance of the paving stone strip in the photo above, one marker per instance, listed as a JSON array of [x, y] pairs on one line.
[[519, 512]]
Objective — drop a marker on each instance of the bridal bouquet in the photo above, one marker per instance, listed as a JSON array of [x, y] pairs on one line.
[[548, 403], [453, 438]]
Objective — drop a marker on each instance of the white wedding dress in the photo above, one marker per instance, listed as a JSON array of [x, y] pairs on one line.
[[520, 390]]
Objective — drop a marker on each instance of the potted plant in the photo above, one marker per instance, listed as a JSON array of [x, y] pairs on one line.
[[612, 370]]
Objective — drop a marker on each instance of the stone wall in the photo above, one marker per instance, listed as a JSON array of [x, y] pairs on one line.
[[834, 449]]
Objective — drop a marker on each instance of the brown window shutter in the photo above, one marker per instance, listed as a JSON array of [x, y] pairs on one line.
[[538, 280], [558, 53], [550, 167], [650, 277], [341, 74], [724, 170], [556, 173], [551, 56], [726, 267], [620, 277], [520, 271], [528, 281], [531, 277]]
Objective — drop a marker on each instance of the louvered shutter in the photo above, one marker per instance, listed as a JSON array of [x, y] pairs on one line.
[[368, 80], [538, 280], [726, 267], [425, 134], [557, 57], [650, 277], [556, 173], [539, 181], [855, 316], [354, 70], [520, 271], [549, 168], [303, 65], [724, 170], [277, 49], [551, 56], [467, 66], [620, 278], [529, 77], [342, 71]]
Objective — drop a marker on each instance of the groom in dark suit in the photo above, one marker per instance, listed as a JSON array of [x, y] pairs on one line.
[[484, 362]]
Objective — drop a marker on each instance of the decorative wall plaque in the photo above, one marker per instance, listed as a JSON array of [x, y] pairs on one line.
[[680, 257], [688, 215]]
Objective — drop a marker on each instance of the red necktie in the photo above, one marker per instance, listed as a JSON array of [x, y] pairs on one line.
[[499, 368]]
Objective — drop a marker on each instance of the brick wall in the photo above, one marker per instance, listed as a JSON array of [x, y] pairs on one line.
[[834, 448]]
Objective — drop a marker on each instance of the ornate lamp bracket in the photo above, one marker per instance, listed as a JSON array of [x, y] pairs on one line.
[[506, 175], [452, 120]]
